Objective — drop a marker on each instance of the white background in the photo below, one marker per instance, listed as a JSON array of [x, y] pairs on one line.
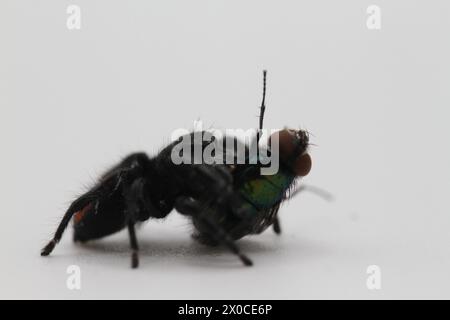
[[74, 102]]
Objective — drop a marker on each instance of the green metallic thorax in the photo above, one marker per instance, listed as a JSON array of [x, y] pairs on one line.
[[267, 191]]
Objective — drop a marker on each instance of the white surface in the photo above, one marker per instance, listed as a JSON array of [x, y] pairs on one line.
[[74, 102]]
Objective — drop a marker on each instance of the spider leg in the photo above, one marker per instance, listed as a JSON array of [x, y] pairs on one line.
[[213, 183], [98, 192], [209, 184], [191, 207], [137, 205], [76, 206], [107, 185], [134, 245], [134, 195]]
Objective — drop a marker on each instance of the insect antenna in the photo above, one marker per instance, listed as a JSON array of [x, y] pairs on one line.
[[263, 106]]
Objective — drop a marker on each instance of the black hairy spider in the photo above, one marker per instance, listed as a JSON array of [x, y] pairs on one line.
[[225, 202]]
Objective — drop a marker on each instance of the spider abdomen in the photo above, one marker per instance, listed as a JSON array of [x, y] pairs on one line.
[[96, 221]]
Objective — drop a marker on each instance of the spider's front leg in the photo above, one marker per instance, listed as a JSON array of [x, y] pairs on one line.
[[195, 209], [211, 186]]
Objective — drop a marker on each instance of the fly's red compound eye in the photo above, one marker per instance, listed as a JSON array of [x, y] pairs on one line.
[[302, 165], [291, 142]]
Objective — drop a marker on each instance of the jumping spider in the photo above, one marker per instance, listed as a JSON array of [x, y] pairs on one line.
[[224, 202]]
